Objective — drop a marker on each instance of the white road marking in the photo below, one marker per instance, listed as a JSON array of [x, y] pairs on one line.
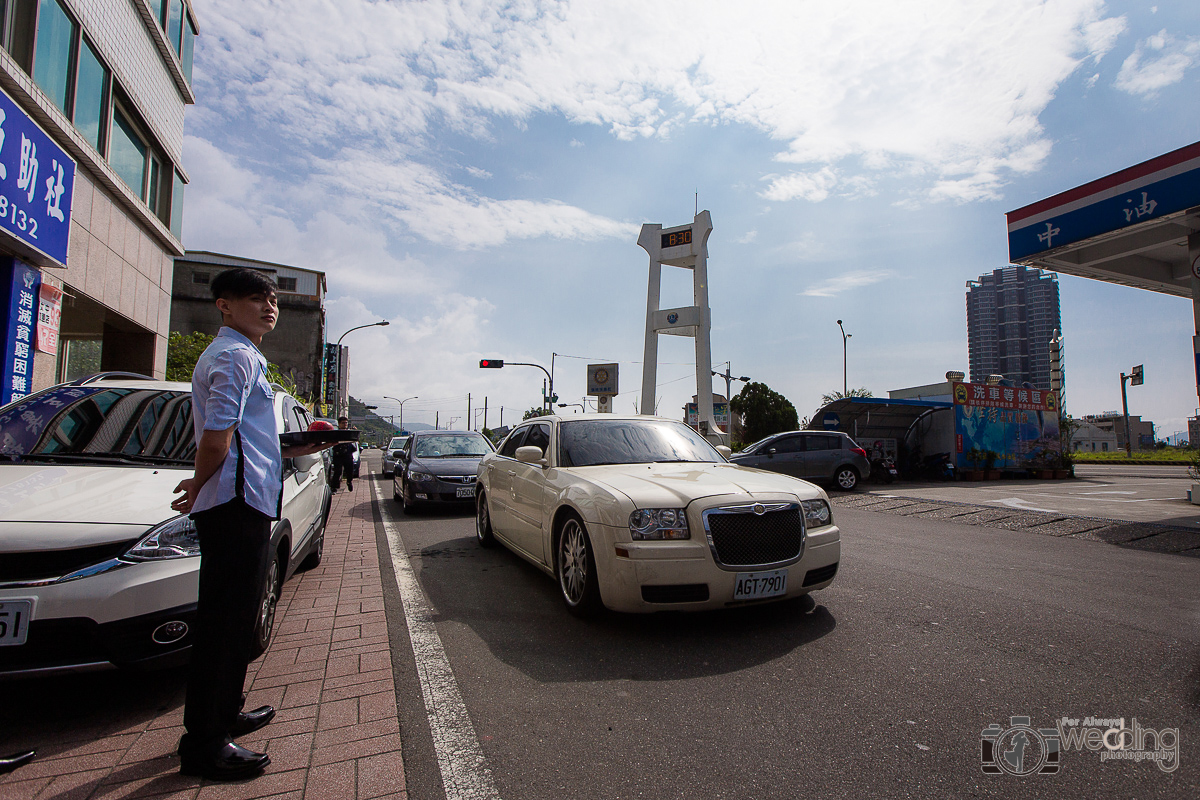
[[465, 773], [1022, 505]]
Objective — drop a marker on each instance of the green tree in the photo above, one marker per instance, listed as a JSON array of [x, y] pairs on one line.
[[835, 395], [534, 412], [183, 351], [763, 411]]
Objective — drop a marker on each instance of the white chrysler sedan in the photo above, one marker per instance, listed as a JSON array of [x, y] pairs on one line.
[[640, 514]]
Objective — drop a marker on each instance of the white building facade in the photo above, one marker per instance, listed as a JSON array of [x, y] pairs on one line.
[[107, 81]]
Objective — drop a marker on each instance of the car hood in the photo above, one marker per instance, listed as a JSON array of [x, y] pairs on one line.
[[455, 465], [120, 495], [676, 485]]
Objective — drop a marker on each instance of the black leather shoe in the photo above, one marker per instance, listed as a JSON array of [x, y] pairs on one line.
[[14, 761], [250, 721], [230, 763]]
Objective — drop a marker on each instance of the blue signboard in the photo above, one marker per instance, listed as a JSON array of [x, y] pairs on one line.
[[37, 182], [831, 421], [19, 286], [1177, 193]]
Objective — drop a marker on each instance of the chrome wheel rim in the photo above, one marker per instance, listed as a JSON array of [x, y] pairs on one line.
[[572, 562], [481, 518], [846, 479], [266, 618]]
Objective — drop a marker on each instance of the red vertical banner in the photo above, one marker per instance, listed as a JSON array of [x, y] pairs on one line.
[[49, 318]]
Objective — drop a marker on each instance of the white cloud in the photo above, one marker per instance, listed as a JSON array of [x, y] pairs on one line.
[[1157, 62], [812, 186], [846, 282], [748, 237], [357, 91]]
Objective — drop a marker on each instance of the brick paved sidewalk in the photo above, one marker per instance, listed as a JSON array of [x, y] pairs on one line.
[[328, 672]]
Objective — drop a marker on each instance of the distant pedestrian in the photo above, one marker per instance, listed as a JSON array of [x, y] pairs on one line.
[[343, 459], [233, 496]]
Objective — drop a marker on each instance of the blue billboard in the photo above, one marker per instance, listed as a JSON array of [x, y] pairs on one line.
[[37, 182], [19, 287]]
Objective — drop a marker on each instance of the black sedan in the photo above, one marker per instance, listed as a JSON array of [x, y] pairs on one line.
[[437, 467]]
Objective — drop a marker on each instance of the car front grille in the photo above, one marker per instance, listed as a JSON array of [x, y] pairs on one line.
[[466, 480], [38, 565], [755, 535]]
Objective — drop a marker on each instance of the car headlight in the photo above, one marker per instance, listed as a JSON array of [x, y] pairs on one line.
[[817, 513], [419, 477], [659, 523], [176, 538]]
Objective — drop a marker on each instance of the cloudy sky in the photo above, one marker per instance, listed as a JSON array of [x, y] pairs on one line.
[[476, 172]]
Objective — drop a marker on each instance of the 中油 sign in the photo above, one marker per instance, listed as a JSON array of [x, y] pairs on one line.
[[37, 182]]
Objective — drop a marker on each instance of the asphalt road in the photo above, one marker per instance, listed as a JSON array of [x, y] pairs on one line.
[[1132, 493], [879, 686]]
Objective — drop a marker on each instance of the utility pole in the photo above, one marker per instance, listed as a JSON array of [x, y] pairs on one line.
[[436, 425], [1135, 377], [469, 417], [485, 411]]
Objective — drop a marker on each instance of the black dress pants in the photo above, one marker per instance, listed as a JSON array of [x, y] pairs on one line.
[[235, 543], [342, 466]]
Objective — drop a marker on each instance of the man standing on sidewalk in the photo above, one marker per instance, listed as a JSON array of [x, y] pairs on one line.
[[343, 459], [233, 497]]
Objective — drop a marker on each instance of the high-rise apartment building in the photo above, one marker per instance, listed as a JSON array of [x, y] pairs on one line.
[[1011, 316]]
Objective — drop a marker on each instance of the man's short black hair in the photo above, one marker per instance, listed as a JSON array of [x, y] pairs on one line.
[[347, 419], [234, 284]]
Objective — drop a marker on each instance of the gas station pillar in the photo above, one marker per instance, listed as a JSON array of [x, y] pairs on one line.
[[1194, 260]]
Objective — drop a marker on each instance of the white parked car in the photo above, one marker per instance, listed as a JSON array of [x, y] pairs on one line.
[[639, 513], [96, 570], [391, 454]]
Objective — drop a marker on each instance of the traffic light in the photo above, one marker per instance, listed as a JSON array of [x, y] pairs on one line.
[[491, 363]]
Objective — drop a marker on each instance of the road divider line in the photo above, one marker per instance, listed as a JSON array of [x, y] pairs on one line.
[[465, 774]]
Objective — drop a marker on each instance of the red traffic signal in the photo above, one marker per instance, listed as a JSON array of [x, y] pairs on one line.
[[491, 363]]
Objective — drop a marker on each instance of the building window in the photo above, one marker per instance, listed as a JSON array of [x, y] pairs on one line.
[[174, 23], [287, 284], [177, 206], [199, 277], [189, 45], [91, 96], [127, 152], [54, 53]]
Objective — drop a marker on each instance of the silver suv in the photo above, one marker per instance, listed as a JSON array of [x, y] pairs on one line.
[[825, 457]]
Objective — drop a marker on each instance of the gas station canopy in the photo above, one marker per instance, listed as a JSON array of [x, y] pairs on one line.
[[1130, 227]]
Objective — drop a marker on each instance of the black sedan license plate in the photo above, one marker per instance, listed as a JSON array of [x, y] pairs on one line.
[[757, 585], [14, 621]]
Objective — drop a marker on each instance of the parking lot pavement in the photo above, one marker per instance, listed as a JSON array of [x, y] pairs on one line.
[[328, 672]]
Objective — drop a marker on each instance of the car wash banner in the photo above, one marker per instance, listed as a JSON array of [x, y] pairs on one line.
[[37, 183], [1019, 425], [19, 286]]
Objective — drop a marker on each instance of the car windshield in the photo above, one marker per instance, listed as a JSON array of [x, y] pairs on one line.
[[397, 443], [451, 445], [594, 442], [75, 424]]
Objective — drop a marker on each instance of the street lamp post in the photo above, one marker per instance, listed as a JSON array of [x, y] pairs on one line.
[[845, 336], [401, 402], [338, 350]]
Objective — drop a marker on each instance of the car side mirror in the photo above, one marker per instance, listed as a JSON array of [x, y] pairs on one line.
[[305, 463], [529, 454], [724, 451], [771, 453]]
